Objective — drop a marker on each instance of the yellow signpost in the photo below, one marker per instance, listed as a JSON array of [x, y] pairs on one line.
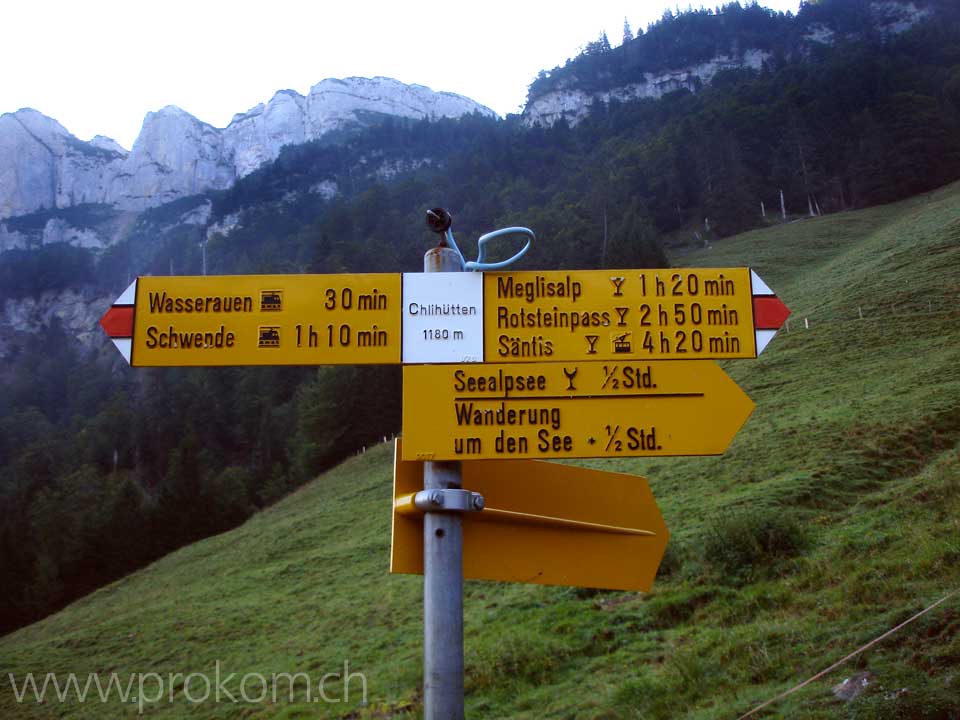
[[579, 364], [267, 320], [541, 523], [560, 316], [685, 313], [569, 410]]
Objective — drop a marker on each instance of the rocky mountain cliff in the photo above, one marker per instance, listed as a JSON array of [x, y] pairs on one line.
[[573, 104], [256, 136], [660, 62], [43, 166]]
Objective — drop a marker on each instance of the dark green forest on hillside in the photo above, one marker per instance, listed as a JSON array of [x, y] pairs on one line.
[[103, 469]]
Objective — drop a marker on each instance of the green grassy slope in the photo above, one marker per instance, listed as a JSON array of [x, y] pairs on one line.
[[834, 515]]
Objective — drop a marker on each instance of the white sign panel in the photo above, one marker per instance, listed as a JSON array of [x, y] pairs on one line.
[[442, 317]]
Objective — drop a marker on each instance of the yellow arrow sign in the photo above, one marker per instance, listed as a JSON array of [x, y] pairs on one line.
[[543, 523], [622, 315], [682, 314], [265, 320], [569, 410]]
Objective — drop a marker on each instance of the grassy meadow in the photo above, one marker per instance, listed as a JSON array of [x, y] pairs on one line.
[[834, 516]]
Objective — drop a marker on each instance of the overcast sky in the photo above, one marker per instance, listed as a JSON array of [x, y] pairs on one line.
[[98, 67]]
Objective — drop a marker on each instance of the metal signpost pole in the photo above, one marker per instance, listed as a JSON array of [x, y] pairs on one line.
[[442, 570]]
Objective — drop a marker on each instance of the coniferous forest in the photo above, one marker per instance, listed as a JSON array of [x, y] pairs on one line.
[[103, 469]]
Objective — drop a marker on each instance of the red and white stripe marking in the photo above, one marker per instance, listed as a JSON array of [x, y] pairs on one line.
[[769, 312], [118, 321]]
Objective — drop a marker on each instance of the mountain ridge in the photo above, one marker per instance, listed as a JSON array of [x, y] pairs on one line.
[[673, 56], [44, 166]]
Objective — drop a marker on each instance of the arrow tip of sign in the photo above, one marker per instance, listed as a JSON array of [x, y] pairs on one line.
[[769, 312], [124, 345], [128, 296], [759, 286], [763, 339], [117, 322]]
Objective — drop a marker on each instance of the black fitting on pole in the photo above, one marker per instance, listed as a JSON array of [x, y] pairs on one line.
[[439, 220]]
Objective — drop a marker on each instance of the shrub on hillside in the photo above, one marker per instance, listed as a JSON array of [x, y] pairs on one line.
[[746, 543]]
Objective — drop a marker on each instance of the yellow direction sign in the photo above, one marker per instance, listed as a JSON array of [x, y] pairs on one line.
[[569, 410], [542, 523], [623, 315], [258, 320], [620, 315]]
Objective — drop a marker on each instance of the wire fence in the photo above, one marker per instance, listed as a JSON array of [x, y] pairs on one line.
[[849, 657]]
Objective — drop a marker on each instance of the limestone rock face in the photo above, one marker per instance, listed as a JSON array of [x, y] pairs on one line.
[[893, 17], [573, 105], [58, 231], [327, 189], [77, 311], [109, 144], [30, 144], [200, 215], [54, 169], [889, 17], [43, 166], [12, 239], [333, 104], [256, 136], [174, 155], [224, 226]]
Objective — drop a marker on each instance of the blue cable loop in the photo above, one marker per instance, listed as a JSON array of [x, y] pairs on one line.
[[479, 263], [448, 236]]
